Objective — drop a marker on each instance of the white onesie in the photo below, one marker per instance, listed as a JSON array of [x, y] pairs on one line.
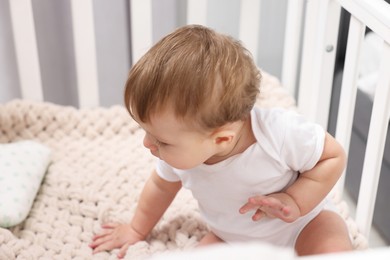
[[286, 143]]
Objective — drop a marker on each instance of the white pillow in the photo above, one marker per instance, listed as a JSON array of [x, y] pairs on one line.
[[22, 167]]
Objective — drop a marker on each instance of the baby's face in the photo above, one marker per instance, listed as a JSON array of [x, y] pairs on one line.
[[175, 142]]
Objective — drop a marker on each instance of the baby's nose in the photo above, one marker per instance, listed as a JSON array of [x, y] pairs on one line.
[[150, 143]]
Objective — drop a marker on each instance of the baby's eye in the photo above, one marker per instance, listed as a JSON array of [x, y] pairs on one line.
[[160, 144]]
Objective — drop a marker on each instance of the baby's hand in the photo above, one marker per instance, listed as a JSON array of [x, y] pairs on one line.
[[115, 235], [278, 205]]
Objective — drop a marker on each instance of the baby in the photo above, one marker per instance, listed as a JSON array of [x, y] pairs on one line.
[[257, 174]]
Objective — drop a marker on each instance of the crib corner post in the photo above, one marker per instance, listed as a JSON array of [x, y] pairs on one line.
[[318, 57]]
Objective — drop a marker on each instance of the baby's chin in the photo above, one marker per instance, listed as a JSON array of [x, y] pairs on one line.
[[155, 154]]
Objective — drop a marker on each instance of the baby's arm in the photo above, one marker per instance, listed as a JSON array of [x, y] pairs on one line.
[[307, 191], [155, 198]]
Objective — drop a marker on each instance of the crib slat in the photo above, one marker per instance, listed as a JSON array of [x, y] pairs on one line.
[[291, 45], [26, 49], [321, 30], [141, 28], [326, 70], [373, 13], [349, 88], [250, 25], [375, 146], [305, 98], [85, 52], [197, 12]]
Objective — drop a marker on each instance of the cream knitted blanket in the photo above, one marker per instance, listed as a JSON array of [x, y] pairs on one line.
[[98, 169]]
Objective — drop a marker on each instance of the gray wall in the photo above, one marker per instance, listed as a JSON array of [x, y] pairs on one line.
[[55, 43], [272, 23]]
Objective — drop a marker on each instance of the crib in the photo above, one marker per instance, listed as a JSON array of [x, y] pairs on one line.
[[98, 165]]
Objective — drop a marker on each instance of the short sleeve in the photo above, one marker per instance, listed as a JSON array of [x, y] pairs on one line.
[[166, 171], [303, 142]]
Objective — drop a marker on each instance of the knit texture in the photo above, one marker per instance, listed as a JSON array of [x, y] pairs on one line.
[[98, 169]]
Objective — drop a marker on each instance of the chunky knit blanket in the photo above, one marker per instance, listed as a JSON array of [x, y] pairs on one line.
[[98, 169]]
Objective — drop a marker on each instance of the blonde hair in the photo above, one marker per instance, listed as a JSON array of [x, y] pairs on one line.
[[204, 76]]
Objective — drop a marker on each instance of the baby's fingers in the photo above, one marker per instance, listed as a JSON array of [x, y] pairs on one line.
[[103, 233], [273, 203], [99, 241], [247, 207], [110, 225], [102, 245], [258, 215], [253, 204], [123, 250], [264, 201]]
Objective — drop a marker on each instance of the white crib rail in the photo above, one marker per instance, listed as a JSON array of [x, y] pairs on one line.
[[26, 49], [292, 41], [85, 52], [197, 12], [85, 43], [141, 35], [250, 25], [319, 41], [375, 146], [141, 27], [375, 15], [28, 56], [349, 87]]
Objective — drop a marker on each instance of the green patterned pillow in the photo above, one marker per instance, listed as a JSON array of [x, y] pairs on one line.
[[22, 167]]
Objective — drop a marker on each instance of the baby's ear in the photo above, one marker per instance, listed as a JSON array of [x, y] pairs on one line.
[[223, 137]]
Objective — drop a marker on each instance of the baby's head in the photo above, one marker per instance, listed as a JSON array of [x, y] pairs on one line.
[[206, 78]]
